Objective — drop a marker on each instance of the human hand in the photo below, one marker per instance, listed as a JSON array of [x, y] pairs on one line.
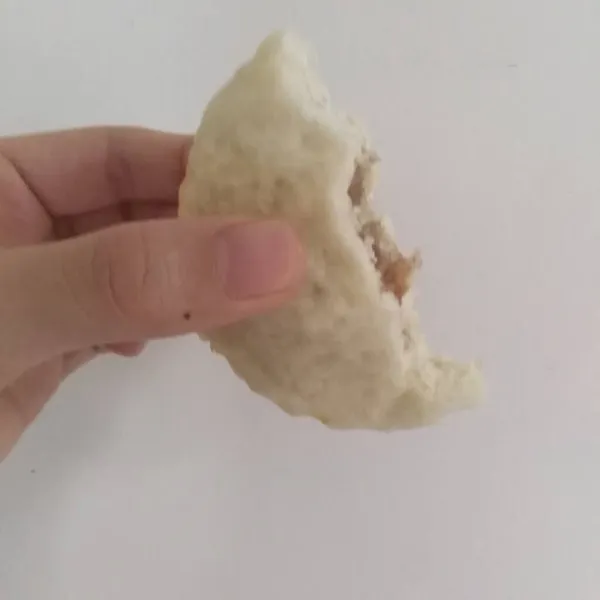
[[92, 259]]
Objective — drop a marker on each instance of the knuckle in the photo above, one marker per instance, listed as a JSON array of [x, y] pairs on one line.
[[118, 170], [116, 262], [132, 284]]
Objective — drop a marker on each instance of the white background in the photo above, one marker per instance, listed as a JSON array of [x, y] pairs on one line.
[[165, 478]]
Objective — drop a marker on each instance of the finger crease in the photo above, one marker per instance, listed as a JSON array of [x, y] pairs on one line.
[[22, 174]]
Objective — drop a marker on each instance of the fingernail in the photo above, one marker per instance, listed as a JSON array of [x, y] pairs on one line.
[[127, 349], [257, 259]]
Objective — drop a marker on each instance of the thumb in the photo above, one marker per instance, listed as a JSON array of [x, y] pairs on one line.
[[141, 281]]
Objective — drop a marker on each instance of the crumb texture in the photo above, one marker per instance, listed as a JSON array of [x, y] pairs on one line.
[[345, 351]]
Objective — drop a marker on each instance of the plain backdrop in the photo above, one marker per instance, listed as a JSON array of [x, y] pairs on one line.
[[165, 478]]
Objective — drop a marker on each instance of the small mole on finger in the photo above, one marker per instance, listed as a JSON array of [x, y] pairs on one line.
[[187, 316]]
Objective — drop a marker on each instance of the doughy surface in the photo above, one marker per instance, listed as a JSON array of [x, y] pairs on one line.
[[344, 352]]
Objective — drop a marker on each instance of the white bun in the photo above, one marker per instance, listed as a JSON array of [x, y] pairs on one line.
[[345, 352]]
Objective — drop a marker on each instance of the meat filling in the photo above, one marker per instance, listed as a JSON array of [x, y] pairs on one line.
[[395, 269]]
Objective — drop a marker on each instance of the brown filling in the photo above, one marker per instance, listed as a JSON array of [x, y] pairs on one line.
[[394, 268]]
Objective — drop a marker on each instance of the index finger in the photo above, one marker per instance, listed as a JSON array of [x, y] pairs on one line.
[[79, 170]]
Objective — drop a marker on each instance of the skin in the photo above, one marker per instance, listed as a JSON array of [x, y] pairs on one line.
[[93, 259]]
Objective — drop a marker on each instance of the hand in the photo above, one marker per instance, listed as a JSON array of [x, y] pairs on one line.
[[93, 259]]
